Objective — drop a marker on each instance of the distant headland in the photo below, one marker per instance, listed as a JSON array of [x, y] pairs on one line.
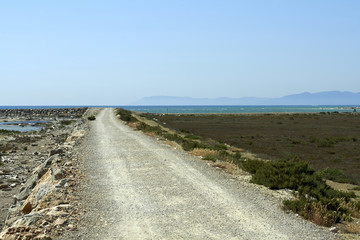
[[306, 98]]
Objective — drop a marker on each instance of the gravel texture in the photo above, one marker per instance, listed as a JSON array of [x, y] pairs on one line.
[[137, 188]]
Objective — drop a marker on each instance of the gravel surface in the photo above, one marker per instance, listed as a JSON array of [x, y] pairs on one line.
[[137, 188]]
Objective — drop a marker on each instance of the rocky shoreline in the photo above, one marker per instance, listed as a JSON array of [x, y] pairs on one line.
[[38, 171]]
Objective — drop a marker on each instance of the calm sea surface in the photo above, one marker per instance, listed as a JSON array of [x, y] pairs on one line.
[[214, 109]]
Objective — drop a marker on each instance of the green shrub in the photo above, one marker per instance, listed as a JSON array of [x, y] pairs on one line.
[[219, 147], [189, 145], [316, 200], [193, 137], [66, 122], [210, 158], [252, 166], [337, 175], [126, 115], [147, 128], [91, 118], [173, 137]]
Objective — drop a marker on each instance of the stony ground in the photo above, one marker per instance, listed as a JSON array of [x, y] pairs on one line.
[[38, 171], [137, 188]]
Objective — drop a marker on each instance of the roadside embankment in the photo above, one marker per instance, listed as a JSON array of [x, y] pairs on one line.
[[38, 171]]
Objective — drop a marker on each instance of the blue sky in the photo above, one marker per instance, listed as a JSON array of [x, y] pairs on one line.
[[116, 52]]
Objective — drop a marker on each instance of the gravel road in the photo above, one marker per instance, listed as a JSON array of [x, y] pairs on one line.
[[137, 188]]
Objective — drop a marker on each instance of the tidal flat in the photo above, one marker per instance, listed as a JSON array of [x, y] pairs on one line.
[[325, 140]]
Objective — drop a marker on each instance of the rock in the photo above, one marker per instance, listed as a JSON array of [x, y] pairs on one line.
[[27, 208], [42, 237], [68, 164], [42, 191], [28, 219], [333, 229], [3, 186], [60, 221], [25, 191], [45, 166], [62, 183], [56, 151], [58, 174]]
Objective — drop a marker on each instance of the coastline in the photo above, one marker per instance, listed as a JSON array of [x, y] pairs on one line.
[[38, 172]]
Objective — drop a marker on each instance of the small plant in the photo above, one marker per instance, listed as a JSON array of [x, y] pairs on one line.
[[337, 175], [189, 145], [219, 147], [25, 148], [193, 137], [66, 122], [173, 137], [91, 118], [210, 158]]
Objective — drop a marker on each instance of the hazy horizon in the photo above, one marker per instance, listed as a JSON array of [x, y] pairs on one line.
[[117, 52]]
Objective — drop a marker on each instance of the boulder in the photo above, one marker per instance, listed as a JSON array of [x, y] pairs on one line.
[[46, 165], [27, 208], [56, 151], [25, 191], [42, 191], [58, 174]]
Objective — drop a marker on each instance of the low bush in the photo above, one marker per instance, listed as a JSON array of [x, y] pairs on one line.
[[189, 145], [126, 115], [173, 137], [210, 158], [337, 175], [193, 137], [91, 118], [147, 128], [66, 122], [252, 166], [219, 147], [316, 200]]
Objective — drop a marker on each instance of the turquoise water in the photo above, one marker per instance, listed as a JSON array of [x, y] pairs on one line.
[[214, 109]]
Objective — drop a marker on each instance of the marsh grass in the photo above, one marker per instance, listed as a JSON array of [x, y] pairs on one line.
[[325, 140]]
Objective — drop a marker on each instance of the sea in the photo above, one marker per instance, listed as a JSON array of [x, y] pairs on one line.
[[218, 109]]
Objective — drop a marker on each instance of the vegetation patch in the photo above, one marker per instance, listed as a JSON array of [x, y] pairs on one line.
[[337, 175], [91, 118], [210, 158], [66, 122], [315, 201], [126, 115], [335, 144]]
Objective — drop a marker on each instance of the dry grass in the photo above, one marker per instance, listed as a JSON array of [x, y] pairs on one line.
[[202, 152], [151, 134], [170, 143], [134, 124], [352, 227], [227, 166]]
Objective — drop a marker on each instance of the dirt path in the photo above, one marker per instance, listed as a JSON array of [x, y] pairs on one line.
[[139, 189]]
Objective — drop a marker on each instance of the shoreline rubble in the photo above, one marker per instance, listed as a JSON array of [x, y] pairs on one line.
[[38, 174]]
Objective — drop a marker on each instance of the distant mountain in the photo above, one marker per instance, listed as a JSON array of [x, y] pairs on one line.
[[306, 98]]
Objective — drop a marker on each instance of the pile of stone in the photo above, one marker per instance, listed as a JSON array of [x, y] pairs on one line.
[[44, 205], [51, 112]]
